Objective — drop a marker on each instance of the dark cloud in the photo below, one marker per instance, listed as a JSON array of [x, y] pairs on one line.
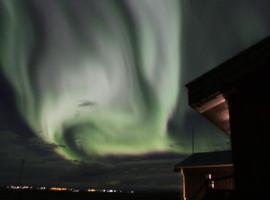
[[43, 166], [86, 103]]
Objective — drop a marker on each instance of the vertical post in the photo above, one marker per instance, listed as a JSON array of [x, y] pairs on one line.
[[183, 185], [193, 140]]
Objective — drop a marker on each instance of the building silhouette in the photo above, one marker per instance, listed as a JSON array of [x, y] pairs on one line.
[[203, 173], [235, 97]]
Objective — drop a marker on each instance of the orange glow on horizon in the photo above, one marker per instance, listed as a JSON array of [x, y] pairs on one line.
[[58, 189], [91, 190]]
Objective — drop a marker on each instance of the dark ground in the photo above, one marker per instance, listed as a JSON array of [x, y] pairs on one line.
[[50, 195]]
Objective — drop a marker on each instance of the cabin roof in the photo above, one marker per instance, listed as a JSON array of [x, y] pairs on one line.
[[208, 93], [219, 158]]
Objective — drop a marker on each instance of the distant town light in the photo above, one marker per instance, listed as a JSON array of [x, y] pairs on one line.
[[91, 190], [209, 176], [212, 184], [57, 189]]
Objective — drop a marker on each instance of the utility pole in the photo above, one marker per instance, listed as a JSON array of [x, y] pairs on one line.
[[193, 140]]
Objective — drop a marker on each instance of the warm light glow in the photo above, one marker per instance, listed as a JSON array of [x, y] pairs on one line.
[[184, 185], [219, 99], [212, 184], [225, 115], [58, 189], [209, 176], [91, 190], [217, 111]]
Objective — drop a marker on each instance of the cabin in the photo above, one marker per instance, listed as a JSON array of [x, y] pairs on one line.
[[202, 172], [235, 97]]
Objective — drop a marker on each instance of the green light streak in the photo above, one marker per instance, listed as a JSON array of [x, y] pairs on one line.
[[100, 85]]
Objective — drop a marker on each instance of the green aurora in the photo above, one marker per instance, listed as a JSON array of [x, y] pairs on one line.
[[95, 79]]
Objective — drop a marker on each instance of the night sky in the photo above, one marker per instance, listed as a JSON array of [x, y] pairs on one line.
[[92, 91]]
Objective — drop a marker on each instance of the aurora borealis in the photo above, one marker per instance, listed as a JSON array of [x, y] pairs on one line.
[[99, 82], [94, 56]]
